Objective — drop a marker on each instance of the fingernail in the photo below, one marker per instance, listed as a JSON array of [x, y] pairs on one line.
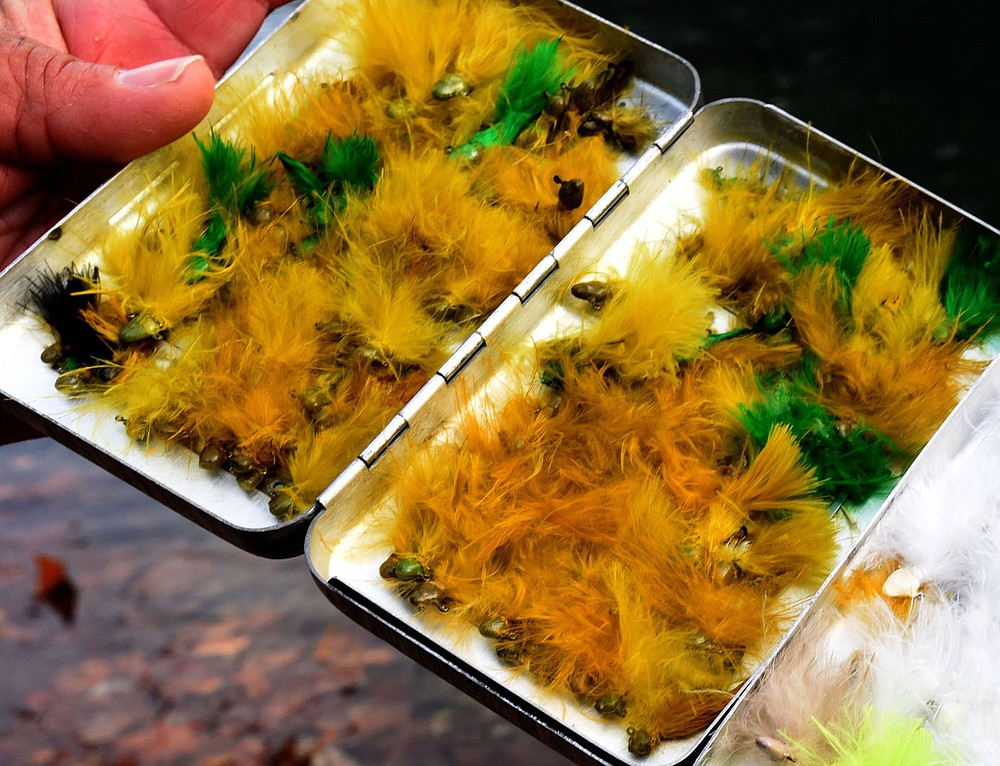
[[157, 73]]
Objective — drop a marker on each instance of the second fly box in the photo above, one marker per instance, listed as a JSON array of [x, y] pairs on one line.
[[229, 321], [892, 663], [606, 510]]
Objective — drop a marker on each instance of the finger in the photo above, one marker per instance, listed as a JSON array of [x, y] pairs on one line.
[[20, 208], [128, 34], [29, 18], [220, 29], [54, 106]]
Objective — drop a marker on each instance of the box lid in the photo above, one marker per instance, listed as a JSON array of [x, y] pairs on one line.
[[665, 84]]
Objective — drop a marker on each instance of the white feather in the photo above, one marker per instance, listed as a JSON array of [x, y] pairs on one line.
[[913, 664], [969, 718], [937, 522]]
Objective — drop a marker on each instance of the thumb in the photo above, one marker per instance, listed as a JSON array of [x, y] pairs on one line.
[[54, 106]]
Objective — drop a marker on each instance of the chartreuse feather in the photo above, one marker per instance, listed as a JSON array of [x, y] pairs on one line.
[[533, 75], [350, 162], [883, 739], [852, 461], [970, 287]]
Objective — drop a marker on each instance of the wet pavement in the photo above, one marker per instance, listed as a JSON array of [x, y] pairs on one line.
[[185, 650]]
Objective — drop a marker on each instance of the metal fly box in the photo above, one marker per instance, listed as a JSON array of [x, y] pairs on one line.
[[528, 349], [313, 51]]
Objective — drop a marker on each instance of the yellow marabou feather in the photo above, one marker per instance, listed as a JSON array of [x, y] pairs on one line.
[[894, 309], [906, 396], [319, 455], [295, 318], [619, 515], [525, 180], [473, 38], [426, 221], [149, 268], [731, 243], [297, 118], [885, 208], [659, 318], [543, 507]]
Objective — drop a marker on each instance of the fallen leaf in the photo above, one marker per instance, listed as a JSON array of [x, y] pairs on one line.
[[332, 756], [201, 684], [82, 677], [55, 588], [164, 740], [105, 727], [254, 680], [339, 651]]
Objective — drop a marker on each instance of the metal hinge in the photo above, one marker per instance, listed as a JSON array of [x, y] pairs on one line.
[[673, 132], [465, 354], [381, 443], [608, 202]]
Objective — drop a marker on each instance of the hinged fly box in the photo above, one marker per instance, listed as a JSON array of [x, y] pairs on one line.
[[586, 444], [291, 73]]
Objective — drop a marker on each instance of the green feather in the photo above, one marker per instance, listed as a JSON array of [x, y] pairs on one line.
[[844, 246], [235, 181], [214, 236], [970, 287], [305, 181], [350, 162], [532, 76], [852, 461], [553, 375]]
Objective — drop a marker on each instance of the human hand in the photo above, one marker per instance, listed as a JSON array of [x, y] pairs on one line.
[[89, 84]]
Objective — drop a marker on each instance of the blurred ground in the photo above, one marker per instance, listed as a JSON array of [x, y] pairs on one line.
[[187, 651]]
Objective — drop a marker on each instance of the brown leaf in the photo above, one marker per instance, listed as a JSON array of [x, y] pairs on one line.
[[55, 588], [201, 684], [332, 756], [340, 651], [105, 727], [254, 680]]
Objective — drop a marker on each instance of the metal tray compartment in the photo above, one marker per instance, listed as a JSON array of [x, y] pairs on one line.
[[305, 45], [344, 551], [826, 636]]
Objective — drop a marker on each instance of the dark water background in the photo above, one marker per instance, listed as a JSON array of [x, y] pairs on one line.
[[186, 650], [912, 84]]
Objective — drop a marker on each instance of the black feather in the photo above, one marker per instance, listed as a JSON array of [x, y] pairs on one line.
[[60, 299]]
